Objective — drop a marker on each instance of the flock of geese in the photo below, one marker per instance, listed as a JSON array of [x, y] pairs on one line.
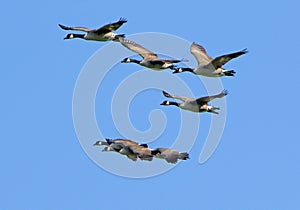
[[207, 66]]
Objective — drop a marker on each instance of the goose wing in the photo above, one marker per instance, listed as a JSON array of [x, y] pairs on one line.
[[111, 26], [74, 28], [182, 98], [145, 53], [200, 54], [206, 99], [219, 61]]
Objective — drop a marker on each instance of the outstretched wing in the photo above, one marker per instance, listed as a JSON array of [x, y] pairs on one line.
[[200, 54], [145, 53], [182, 98], [219, 61], [206, 99], [74, 28], [111, 26]]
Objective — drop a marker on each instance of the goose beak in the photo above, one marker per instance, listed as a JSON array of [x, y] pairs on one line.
[[96, 143]]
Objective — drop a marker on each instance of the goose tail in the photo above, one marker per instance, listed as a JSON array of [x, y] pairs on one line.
[[183, 156], [118, 37], [229, 73]]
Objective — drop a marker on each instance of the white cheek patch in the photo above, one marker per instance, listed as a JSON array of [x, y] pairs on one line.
[[168, 103]]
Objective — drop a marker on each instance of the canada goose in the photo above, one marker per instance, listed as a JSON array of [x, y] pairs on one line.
[[194, 105], [170, 155], [105, 33], [118, 145], [150, 59], [210, 67]]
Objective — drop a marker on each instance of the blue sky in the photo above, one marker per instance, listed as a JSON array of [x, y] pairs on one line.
[[256, 165]]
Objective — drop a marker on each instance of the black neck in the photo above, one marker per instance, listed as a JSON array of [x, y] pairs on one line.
[[134, 61], [188, 69], [173, 103], [81, 36]]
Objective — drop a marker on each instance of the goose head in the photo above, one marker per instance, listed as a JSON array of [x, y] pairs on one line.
[[100, 143], [180, 70], [169, 103], [126, 60], [130, 60], [165, 103], [72, 36], [69, 36]]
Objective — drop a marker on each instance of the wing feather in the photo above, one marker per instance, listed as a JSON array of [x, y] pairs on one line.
[[182, 98], [111, 26], [206, 99], [219, 61], [200, 54], [74, 28], [145, 53]]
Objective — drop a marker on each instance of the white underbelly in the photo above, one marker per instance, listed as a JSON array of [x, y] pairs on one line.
[[208, 72], [157, 67], [189, 106], [98, 37]]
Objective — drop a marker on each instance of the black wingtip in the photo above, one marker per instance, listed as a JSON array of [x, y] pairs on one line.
[[123, 20], [245, 51], [225, 92], [109, 141], [166, 94], [63, 27]]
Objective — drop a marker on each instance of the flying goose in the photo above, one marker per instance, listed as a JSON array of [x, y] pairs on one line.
[[194, 105], [118, 145], [105, 33], [170, 155], [210, 67], [150, 59]]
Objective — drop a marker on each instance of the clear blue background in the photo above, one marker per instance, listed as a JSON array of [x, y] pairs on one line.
[[256, 165]]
